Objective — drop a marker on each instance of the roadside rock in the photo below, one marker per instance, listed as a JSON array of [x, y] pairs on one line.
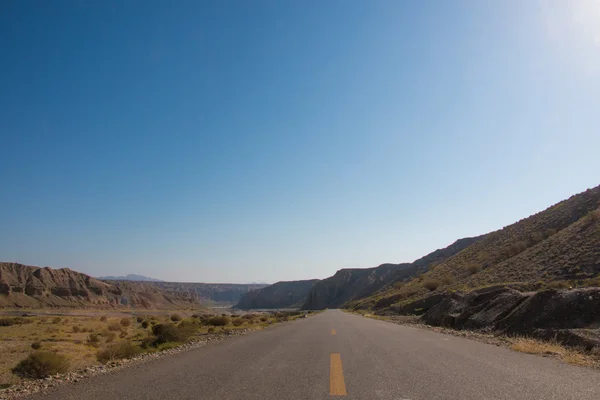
[[571, 317]]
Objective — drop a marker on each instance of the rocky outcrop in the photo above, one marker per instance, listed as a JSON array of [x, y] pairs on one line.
[[570, 316], [23, 286], [279, 295]]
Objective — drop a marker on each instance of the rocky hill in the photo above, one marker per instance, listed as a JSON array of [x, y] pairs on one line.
[[279, 295], [558, 247], [206, 293], [349, 285], [23, 286]]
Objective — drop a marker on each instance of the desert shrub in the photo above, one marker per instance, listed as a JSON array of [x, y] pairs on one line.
[[8, 321], [41, 364], [147, 342], [117, 352], [447, 280], [76, 329], [264, 319], [250, 316], [139, 319], [211, 330], [168, 332], [176, 318], [36, 345], [238, 322], [431, 284], [398, 285], [223, 315], [472, 269], [103, 318], [219, 321], [56, 320], [125, 322], [93, 339], [558, 285], [109, 336], [114, 326], [145, 324], [123, 335]]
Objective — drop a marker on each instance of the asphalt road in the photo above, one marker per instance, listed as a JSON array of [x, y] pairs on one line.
[[338, 354]]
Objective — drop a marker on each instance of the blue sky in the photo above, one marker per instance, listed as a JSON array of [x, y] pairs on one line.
[[275, 140]]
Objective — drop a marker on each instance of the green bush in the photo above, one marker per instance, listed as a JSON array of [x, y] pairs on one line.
[[176, 318], [219, 321], [117, 352], [41, 364], [125, 322], [431, 284]]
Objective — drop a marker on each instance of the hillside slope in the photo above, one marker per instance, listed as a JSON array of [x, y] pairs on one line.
[[348, 285], [559, 246], [23, 286], [279, 295], [209, 292]]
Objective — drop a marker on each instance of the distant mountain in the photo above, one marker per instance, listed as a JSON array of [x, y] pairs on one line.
[[130, 277], [279, 295], [209, 292], [24, 286]]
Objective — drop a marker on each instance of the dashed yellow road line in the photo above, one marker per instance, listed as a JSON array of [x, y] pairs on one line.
[[337, 386], [333, 331]]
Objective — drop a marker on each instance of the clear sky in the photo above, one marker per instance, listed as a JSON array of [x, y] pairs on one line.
[[239, 141]]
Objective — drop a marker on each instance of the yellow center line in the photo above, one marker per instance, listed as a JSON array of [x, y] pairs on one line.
[[333, 331], [337, 386]]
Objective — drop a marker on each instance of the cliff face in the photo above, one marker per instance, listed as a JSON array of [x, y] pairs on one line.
[[35, 287], [279, 295]]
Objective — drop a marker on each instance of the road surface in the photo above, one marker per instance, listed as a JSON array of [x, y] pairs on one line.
[[339, 354]]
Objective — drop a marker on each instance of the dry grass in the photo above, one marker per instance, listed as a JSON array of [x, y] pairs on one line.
[[70, 336], [553, 349]]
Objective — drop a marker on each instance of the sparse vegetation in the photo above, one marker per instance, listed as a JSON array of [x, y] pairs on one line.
[[431, 284], [41, 364], [117, 352], [10, 321], [125, 322], [114, 326], [472, 268], [238, 322], [219, 321], [176, 318], [93, 339]]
